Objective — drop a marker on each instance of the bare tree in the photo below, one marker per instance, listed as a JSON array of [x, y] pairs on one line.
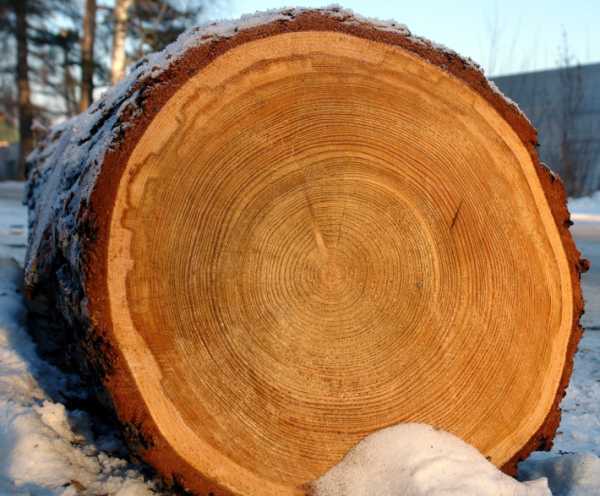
[[557, 102], [121, 14], [494, 31], [156, 23], [576, 141], [87, 54]]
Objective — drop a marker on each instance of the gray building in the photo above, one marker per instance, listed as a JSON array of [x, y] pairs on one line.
[[564, 105]]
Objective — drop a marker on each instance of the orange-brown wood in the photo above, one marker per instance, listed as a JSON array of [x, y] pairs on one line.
[[318, 229]]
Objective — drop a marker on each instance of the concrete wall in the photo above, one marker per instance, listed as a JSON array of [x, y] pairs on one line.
[[564, 105]]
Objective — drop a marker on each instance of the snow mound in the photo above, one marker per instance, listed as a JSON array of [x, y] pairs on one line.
[[418, 460], [568, 475]]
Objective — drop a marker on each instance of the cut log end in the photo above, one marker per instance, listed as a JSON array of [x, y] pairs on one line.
[[316, 229]]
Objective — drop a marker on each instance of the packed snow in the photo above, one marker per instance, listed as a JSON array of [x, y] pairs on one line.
[[568, 475], [47, 448], [418, 460]]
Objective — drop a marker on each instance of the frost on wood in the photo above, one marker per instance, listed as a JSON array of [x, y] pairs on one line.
[[418, 460]]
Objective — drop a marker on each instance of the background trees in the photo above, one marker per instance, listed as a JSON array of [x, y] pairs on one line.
[[58, 54]]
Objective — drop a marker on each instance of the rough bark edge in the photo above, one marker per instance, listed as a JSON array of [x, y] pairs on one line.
[[129, 115]]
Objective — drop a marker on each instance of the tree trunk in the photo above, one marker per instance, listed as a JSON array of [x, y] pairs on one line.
[[24, 94], [279, 235], [119, 36], [65, 40], [87, 55]]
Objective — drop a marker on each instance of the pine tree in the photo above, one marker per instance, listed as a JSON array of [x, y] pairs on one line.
[[156, 23], [16, 14], [33, 41]]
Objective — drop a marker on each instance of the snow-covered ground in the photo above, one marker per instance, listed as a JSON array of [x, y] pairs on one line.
[[45, 448], [585, 212], [13, 221], [586, 208], [49, 449]]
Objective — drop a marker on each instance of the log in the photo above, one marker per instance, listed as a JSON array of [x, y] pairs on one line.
[[283, 233]]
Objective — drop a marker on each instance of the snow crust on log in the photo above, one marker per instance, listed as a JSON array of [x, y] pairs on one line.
[[510, 101], [418, 460]]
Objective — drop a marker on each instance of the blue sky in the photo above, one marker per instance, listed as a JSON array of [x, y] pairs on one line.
[[527, 37]]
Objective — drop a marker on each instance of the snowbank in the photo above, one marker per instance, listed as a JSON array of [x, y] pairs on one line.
[[418, 460]]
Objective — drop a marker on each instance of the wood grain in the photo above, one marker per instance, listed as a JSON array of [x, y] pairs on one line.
[[314, 241]]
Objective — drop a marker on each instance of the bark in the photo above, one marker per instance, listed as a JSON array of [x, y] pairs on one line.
[[87, 55], [72, 190], [25, 107], [118, 60]]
